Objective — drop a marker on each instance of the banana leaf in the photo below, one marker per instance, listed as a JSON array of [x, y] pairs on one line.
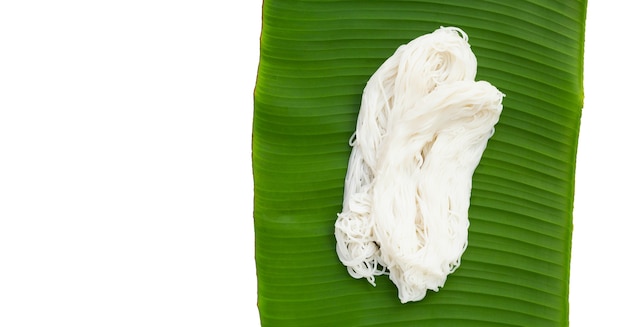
[[315, 59]]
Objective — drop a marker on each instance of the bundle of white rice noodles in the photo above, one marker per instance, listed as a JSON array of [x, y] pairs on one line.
[[423, 125]]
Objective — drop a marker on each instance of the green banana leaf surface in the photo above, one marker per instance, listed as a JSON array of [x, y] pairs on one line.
[[316, 57]]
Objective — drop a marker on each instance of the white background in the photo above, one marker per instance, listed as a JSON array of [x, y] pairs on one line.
[[125, 173]]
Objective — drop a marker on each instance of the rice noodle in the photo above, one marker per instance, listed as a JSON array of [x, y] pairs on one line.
[[421, 131]]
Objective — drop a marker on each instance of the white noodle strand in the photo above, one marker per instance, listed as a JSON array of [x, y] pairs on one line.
[[421, 131]]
